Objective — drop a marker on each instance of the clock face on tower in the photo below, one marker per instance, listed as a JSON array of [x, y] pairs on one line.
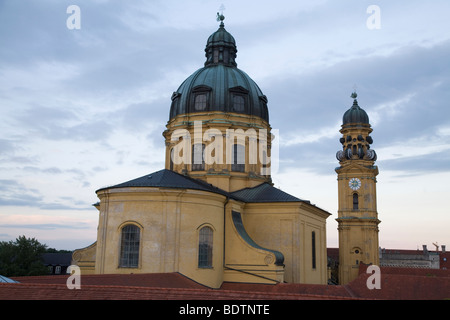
[[354, 183]]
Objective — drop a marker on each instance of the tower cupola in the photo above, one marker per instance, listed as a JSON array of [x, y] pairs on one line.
[[355, 115], [356, 139]]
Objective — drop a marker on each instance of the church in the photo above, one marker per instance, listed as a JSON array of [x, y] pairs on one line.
[[213, 214]]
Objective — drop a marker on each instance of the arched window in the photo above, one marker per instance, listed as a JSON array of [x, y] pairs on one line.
[[129, 246], [205, 246], [238, 158], [200, 102], [355, 201]]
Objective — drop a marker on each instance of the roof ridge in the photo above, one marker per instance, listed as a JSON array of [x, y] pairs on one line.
[[193, 292], [166, 173], [165, 178], [265, 192]]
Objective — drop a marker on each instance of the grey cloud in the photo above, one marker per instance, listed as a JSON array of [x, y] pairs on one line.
[[319, 100], [143, 117], [14, 193], [309, 103], [58, 124], [418, 165], [47, 226], [49, 170], [6, 146]]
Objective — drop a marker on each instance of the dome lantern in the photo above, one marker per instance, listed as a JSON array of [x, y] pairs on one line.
[[221, 46]]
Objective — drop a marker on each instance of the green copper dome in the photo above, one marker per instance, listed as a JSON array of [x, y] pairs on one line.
[[355, 114], [219, 85]]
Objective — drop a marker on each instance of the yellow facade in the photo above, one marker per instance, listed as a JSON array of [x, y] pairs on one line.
[[292, 228], [163, 216], [169, 220]]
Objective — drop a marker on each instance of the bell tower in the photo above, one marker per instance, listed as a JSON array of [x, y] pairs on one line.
[[357, 208]]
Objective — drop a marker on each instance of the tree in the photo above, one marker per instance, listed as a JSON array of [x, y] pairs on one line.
[[53, 250], [22, 257]]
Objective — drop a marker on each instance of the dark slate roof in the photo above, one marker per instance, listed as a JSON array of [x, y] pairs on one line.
[[264, 193], [169, 179], [355, 115], [220, 81], [57, 258]]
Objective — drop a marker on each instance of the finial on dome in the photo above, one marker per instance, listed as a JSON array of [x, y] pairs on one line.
[[220, 16], [354, 95]]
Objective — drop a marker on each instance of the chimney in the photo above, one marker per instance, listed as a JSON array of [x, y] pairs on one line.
[[443, 248], [425, 250]]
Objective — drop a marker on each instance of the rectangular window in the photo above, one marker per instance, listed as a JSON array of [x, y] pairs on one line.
[[238, 156], [198, 159], [313, 249], [200, 101], [238, 103]]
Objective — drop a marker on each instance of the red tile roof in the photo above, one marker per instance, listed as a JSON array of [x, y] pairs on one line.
[[159, 280], [315, 290], [166, 286], [396, 283]]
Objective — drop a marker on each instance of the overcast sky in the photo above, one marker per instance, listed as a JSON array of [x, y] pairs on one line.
[[84, 108]]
